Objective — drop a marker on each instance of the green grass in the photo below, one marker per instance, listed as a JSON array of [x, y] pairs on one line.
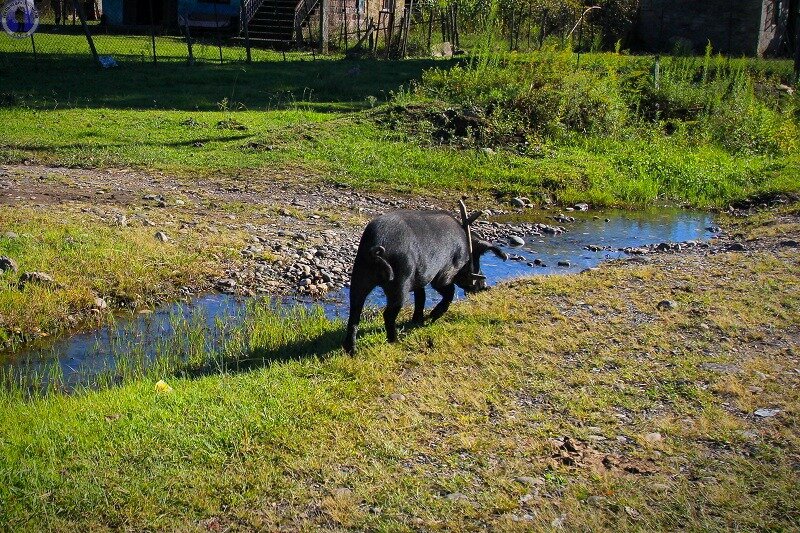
[[310, 116], [378, 441], [90, 256]]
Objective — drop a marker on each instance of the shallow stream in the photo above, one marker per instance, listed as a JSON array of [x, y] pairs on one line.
[[81, 355]]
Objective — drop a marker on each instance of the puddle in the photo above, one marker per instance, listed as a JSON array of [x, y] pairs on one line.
[[82, 355]]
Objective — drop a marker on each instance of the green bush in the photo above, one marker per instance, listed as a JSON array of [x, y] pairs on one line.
[[546, 94]]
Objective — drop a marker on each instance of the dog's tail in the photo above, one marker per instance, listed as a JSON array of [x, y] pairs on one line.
[[377, 254]]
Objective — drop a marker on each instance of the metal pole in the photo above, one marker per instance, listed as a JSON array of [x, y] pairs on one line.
[[79, 9]]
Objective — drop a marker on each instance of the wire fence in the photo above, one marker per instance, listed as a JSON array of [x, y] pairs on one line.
[[75, 32]]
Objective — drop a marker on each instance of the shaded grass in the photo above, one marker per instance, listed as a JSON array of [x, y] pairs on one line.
[[463, 406]]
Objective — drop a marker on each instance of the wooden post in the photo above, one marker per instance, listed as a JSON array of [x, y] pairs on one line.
[[542, 28], [797, 49], [456, 40], [153, 33], [323, 26], [188, 39], [392, 8], [246, 32], [430, 29], [79, 9]]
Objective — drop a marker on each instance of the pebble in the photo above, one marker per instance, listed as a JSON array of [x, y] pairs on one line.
[[39, 278], [564, 263], [161, 236], [520, 201], [766, 413], [666, 305], [7, 264], [529, 481], [653, 437], [514, 240]]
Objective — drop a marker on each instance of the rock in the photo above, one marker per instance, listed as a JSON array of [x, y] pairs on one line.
[[564, 263], [653, 437], [520, 201], [487, 151], [8, 264], [341, 493], [633, 513], [457, 497], [40, 278], [596, 501], [10, 235], [161, 236], [766, 413], [789, 243], [397, 397], [714, 229], [225, 284], [736, 247], [581, 207], [180, 202], [121, 220], [666, 305], [514, 240], [444, 49], [558, 522], [529, 481], [100, 304]]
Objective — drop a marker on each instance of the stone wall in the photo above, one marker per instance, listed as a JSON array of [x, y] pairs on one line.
[[732, 26]]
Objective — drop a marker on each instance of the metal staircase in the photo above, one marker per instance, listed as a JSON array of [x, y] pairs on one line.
[[276, 23]]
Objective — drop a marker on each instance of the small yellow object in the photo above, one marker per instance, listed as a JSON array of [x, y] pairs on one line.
[[162, 387]]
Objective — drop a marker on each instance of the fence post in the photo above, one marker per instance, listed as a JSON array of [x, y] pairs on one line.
[[153, 33], [216, 28], [543, 28], [323, 26], [797, 48], [246, 23], [188, 38], [79, 9]]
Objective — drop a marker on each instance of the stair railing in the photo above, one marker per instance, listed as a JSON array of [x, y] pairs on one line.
[[301, 13], [248, 11]]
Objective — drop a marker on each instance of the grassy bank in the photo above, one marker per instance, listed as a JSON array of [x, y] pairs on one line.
[[565, 401], [709, 132], [95, 250]]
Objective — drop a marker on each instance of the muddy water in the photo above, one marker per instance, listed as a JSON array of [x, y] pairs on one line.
[[82, 355]]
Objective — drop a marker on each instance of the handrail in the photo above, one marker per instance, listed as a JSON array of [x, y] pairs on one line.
[[301, 13], [249, 8]]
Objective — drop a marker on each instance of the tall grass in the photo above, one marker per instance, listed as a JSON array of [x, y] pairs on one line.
[[710, 99], [259, 334]]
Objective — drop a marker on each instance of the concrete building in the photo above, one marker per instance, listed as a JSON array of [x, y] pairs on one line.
[[733, 27]]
